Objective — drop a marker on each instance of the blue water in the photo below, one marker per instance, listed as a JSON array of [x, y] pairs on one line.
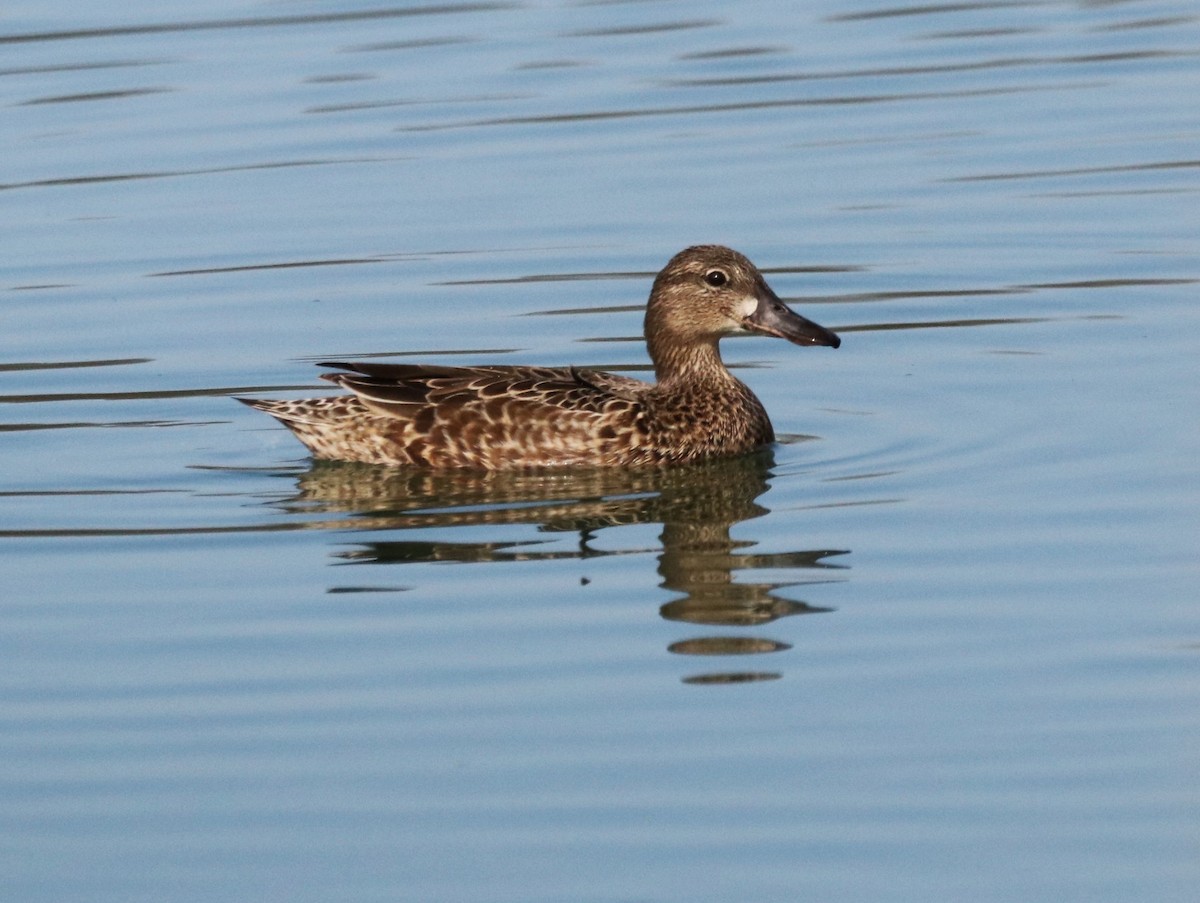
[[940, 643]]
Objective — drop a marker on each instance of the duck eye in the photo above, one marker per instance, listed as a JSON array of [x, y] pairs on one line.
[[716, 278]]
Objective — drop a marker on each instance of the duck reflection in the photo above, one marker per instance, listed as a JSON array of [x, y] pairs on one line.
[[698, 506]]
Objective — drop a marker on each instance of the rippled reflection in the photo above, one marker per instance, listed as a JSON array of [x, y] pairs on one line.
[[697, 506]]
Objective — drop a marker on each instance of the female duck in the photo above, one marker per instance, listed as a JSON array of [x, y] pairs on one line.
[[514, 416]]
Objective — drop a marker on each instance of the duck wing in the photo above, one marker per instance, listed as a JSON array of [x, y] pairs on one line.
[[404, 390], [619, 386]]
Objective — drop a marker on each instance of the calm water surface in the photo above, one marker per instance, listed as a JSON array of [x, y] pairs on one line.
[[940, 643]]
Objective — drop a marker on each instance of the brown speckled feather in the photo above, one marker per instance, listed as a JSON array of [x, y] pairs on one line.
[[496, 417]]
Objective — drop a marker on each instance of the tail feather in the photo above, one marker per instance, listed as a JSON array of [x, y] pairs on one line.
[[313, 411]]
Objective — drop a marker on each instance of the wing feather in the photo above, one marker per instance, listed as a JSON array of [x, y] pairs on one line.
[[403, 390]]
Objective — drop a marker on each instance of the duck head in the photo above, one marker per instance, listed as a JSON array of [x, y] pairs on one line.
[[709, 291]]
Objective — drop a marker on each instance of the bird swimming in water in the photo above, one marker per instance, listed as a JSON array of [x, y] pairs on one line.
[[506, 417]]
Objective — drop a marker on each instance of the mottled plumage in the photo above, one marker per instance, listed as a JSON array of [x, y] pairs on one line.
[[511, 416]]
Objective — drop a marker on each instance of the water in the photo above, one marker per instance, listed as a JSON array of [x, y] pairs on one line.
[[939, 643]]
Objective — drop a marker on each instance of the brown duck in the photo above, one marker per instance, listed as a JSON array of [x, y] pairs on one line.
[[504, 417]]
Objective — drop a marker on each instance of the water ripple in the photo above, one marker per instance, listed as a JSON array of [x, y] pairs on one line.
[[253, 22], [743, 106]]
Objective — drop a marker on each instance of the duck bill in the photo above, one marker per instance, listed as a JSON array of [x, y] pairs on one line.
[[773, 317]]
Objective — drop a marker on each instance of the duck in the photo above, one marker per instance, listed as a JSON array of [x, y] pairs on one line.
[[506, 417]]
